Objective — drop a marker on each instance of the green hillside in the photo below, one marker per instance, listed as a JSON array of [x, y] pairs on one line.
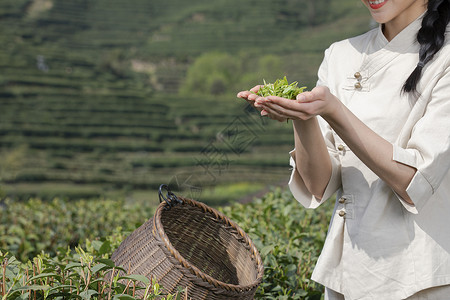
[[90, 103]]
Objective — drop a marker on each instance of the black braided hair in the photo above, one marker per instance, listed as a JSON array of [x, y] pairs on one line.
[[431, 38]]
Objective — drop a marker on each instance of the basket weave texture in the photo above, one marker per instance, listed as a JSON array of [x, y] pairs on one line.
[[196, 247]]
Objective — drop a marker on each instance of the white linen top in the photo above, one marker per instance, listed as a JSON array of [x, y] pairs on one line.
[[378, 246]]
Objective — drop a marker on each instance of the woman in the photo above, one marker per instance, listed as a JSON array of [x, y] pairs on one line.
[[376, 130]]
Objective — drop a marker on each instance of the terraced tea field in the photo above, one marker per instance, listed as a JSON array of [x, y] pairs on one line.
[[89, 102], [90, 146]]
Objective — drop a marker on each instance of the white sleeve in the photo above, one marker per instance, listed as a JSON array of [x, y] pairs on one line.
[[428, 149]]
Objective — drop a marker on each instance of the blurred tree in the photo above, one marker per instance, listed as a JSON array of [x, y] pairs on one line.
[[211, 73], [220, 73], [10, 163], [116, 63], [269, 66]]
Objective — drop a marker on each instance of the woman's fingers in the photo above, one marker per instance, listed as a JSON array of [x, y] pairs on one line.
[[252, 92], [243, 94], [273, 114], [305, 97], [275, 111], [287, 108], [252, 103], [255, 89], [317, 93], [277, 103], [251, 96]]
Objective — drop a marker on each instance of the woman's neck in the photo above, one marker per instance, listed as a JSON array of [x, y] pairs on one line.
[[395, 26]]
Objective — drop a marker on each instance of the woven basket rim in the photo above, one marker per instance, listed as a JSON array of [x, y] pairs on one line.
[[158, 230]]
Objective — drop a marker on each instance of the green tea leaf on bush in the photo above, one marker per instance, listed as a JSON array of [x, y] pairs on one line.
[[266, 250], [100, 267], [97, 245], [277, 288], [105, 248], [9, 274], [124, 297], [44, 275], [62, 287], [73, 265], [88, 294], [25, 296], [136, 277], [107, 262], [33, 287], [100, 280]]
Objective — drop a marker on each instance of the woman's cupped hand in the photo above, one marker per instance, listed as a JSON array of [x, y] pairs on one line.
[[318, 101]]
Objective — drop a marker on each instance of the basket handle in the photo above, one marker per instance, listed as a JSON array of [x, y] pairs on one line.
[[170, 198]]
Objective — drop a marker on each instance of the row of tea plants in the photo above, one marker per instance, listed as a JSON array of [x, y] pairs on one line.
[[75, 274], [288, 237]]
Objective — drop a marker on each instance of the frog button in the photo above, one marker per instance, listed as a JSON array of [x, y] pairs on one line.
[[342, 213], [358, 85], [341, 147], [342, 200], [357, 75]]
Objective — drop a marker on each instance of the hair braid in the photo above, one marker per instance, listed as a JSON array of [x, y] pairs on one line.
[[431, 38]]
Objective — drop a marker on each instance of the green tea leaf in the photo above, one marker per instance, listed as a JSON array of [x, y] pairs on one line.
[[72, 265], [124, 297], [88, 294], [44, 275], [62, 287], [281, 88], [33, 288], [267, 249], [107, 262], [100, 267], [136, 277], [105, 248]]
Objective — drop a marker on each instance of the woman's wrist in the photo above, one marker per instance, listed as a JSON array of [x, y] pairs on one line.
[[334, 112], [301, 125], [307, 130]]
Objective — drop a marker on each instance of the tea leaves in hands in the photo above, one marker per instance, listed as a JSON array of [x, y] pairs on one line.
[[281, 88]]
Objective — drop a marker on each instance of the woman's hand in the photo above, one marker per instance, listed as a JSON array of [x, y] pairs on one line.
[[319, 101], [250, 96]]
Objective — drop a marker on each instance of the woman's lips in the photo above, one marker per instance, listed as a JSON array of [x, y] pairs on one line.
[[376, 4]]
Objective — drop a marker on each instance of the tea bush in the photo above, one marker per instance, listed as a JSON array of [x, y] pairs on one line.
[[28, 228], [80, 274]]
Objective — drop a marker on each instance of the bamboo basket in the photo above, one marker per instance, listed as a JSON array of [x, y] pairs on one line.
[[190, 245]]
